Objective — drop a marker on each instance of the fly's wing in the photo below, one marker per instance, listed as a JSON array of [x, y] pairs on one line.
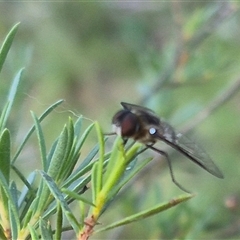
[[135, 108], [146, 115], [188, 148]]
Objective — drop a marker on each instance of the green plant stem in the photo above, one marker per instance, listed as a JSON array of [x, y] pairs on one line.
[[121, 162]]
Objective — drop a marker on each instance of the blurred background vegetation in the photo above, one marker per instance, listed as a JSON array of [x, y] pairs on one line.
[[173, 57]]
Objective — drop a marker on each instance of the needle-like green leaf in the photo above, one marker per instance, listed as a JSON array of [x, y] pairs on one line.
[[57, 160], [59, 221], [113, 159], [8, 200], [10, 99], [129, 174], [33, 232], [7, 44], [94, 181], [59, 196], [99, 166], [77, 196], [149, 212], [41, 142], [5, 154], [44, 229], [45, 113]]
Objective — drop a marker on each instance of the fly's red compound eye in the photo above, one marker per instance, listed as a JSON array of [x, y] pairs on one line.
[[127, 122]]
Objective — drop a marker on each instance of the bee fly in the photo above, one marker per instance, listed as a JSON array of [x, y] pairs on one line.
[[142, 125]]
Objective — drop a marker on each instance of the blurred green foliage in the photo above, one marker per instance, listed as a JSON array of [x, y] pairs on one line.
[[174, 57]]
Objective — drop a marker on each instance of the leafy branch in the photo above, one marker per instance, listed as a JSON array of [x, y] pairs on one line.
[[64, 176]]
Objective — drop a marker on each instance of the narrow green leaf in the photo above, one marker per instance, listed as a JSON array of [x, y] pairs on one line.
[[98, 174], [88, 159], [14, 192], [78, 176], [79, 179], [28, 215], [94, 181], [59, 224], [78, 126], [11, 97], [123, 159], [14, 224], [84, 136], [7, 44], [14, 86], [44, 229], [79, 172], [149, 212], [59, 153], [131, 153], [5, 154], [58, 196], [3, 115], [85, 164], [82, 212], [77, 196], [11, 202], [129, 174], [52, 150], [27, 196], [73, 221], [68, 161], [27, 188], [5, 218], [45, 114], [113, 158], [41, 141], [43, 198], [80, 185], [34, 234], [24, 180]]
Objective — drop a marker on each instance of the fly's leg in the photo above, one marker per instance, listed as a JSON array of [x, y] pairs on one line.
[[169, 165]]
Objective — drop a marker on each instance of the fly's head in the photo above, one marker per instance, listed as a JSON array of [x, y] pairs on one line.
[[136, 123], [125, 123]]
